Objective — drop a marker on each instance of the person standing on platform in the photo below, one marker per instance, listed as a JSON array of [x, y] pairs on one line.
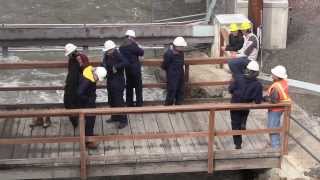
[[115, 64], [244, 89], [76, 63], [87, 96], [131, 51], [277, 92], [173, 64]]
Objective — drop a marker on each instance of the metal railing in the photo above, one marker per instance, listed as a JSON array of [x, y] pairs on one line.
[[211, 133]]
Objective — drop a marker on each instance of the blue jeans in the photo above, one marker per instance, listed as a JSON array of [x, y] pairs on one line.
[[274, 122]]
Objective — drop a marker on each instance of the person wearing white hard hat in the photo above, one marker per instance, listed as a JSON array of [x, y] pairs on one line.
[[77, 61], [131, 50], [277, 92], [173, 64], [115, 63], [87, 96], [244, 89]]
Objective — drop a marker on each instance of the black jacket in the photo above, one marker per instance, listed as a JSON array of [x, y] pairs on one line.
[[173, 62], [87, 88], [115, 60], [131, 51], [235, 42]]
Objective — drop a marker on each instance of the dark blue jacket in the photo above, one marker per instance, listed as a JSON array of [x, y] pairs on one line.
[[131, 51], [115, 60], [173, 63], [87, 89], [246, 90]]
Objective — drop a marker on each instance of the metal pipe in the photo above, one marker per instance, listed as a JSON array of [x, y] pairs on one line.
[[180, 17]]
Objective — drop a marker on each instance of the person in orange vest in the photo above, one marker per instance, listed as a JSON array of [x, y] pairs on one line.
[[277, 92]]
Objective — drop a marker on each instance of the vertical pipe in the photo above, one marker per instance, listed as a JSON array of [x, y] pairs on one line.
[[83, 153], [255, 7], [286, 130], [211, 132]]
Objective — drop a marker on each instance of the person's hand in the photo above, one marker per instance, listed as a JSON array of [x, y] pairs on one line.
[[233, 54], [223, 48], [266, 98]]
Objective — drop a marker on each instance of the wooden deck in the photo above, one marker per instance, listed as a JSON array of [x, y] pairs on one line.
[[134, 157]]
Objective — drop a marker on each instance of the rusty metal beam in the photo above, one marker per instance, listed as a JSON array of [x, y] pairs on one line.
[[96, 62]]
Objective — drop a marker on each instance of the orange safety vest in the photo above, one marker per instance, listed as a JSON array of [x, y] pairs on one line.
[[282, 88]]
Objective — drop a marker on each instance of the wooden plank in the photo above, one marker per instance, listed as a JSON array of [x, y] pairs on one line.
[[193, 125], [170, 145], [186, 145], [137, 127], [5, 150], [52, 149], [36, 150], [19, 133], [66, 129], [23, 149], [254, 120], [155, 145], [98, 130], [137, 169], [111, 148], [127, 147], [211, 152]]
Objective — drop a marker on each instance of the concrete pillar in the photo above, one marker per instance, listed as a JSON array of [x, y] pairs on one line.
[[5, 51]]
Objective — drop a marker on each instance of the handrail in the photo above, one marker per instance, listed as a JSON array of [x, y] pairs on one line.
[[211, 133], [96, 62]]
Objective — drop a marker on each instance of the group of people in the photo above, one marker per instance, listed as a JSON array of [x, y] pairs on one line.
[[121, 68], [245, 87]]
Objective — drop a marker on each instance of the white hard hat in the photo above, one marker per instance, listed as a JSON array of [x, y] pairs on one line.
[[131, 33], [69, 48], [101, 72], [179, 41], [108, 45], [253, 66], [279, 71]]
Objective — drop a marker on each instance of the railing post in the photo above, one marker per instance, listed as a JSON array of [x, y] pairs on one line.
[[187, 80], [211, 134], [5, 51], [83, 152], [286, 126], [221, 45]]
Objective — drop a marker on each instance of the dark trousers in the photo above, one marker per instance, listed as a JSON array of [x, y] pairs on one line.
[[134, 81], [89, 120], [238, 122], [115, 98], [175, 90], [72, 102], [238, 65]]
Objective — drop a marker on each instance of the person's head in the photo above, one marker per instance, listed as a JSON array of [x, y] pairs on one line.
[[130, 34], [99, 73], [246, 28], [70, 49], [109, 47], [278, 73], [179, 44], [233, 28], [252, 69]]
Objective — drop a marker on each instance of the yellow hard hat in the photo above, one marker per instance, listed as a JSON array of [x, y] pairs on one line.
[[245, 25], [233, 27]]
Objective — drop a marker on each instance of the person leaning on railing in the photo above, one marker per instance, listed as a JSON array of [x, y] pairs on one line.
[[87, 96], [77, 61], [277, 92], [244, 88], [173, 62]]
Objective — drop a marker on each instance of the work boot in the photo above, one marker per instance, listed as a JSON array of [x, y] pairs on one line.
[[122, 125], [46, 122], [36, 121], [111, 120], [238, 147], [91, 145]]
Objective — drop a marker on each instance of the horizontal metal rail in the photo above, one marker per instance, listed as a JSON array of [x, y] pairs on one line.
[[211, 133]]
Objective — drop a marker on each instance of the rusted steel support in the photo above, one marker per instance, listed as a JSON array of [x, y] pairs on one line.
[[35, 140], [255, 13], [96, 62], [286, 128], [83, 152], [211, 134]]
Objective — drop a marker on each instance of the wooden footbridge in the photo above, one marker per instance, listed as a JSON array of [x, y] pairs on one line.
[[195, 137]]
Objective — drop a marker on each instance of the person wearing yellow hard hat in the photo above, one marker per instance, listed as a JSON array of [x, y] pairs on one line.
[[235, 39], [250, 46]]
